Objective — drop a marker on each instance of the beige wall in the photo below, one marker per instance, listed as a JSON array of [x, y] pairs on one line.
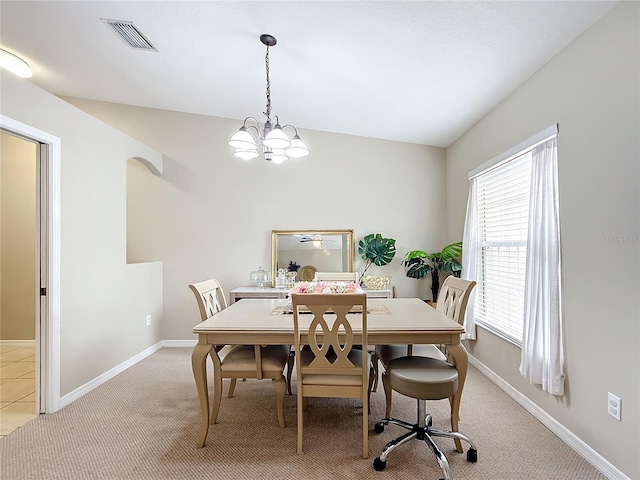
[[210, 214], [104, 301], [215, 213], [18, 242], [591, 90]]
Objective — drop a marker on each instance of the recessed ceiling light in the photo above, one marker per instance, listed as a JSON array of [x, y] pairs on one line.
[[14, 64]]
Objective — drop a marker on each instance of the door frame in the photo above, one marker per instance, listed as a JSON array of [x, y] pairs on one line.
[[48, 262]]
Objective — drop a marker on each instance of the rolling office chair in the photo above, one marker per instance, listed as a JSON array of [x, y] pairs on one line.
[[424, 379], [424, 374]]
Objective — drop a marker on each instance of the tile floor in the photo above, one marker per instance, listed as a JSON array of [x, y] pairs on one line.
[[17, 387]]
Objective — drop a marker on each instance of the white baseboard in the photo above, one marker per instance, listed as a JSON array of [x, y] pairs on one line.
[[108, 375], [17, 343], [584, 450]]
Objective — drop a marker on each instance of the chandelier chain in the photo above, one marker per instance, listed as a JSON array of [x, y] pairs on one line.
[[268, 92]]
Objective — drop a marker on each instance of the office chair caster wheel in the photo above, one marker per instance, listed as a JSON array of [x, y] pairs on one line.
[[379, 465], [378, 427], [472, 455]]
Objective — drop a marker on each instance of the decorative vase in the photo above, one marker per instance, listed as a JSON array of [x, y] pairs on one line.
[[376, 282]]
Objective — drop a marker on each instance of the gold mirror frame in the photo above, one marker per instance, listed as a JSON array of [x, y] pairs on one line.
[[342, 261]]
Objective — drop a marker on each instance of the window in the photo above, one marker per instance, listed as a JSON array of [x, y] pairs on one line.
[[502, 216], [511, 247]]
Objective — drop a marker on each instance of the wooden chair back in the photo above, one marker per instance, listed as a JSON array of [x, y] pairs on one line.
[[210, 297], [454, 296]]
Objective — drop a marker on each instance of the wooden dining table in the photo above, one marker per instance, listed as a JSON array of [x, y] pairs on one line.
[[264, 322]]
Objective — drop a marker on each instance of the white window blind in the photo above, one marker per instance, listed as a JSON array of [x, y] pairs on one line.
[[503, 213]]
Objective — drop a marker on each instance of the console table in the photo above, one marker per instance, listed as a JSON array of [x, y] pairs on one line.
[[279, 293]]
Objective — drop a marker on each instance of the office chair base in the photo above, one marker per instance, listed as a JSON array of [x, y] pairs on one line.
[[421, 431]]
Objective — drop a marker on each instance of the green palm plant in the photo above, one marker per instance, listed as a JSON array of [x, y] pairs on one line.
[[419, 264], [376, 250]]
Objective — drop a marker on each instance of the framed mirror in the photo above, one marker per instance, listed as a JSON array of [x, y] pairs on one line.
[[308, 251]]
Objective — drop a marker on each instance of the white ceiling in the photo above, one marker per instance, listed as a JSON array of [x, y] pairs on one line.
[[412, 71]]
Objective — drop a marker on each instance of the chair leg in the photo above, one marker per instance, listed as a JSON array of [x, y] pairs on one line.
[[300, 408], [281, 386], [371, 380], [392, 421], [395, 443], [387, 393], [442, 460], [375, 361], [290, 362], [454, 435], [217, 397], [232, 387], [365, 423]]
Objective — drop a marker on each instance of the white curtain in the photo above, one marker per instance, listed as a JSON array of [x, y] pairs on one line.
[[542, 360], [470, 257]]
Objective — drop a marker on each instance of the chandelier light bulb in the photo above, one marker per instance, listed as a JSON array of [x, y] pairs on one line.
[[246, 154], [297, 149], [278, 156], [242, 139], [276, 138]]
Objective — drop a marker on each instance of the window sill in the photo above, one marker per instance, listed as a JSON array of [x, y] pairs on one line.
[[502, 335]]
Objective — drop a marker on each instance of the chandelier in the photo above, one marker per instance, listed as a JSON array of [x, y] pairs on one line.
[[276, 145]]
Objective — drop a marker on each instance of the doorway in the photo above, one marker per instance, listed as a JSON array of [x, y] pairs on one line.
[[18, 280], [44, 266]]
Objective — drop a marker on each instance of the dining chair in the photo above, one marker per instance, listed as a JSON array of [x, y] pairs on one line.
[[351, 277], [307, 273], [452, 301], [241, 361], [336, 276], [330, 366]]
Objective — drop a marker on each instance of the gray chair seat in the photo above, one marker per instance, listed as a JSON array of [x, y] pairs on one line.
[[422, 378]]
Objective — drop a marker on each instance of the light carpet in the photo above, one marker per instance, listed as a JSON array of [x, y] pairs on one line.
[[144, 424]]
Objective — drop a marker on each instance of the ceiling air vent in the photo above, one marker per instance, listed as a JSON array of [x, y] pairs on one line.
[[130, 34]]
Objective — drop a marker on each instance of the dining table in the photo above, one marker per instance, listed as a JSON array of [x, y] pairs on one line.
[[270, 322]]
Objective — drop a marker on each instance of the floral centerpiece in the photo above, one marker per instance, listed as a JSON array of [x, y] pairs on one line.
[[326, 287]]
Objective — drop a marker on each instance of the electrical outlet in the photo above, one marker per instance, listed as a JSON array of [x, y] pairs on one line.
[[148, 320], [614, 406]]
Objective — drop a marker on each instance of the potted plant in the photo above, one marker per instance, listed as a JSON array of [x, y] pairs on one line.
[[420, 263], [376, 250]]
